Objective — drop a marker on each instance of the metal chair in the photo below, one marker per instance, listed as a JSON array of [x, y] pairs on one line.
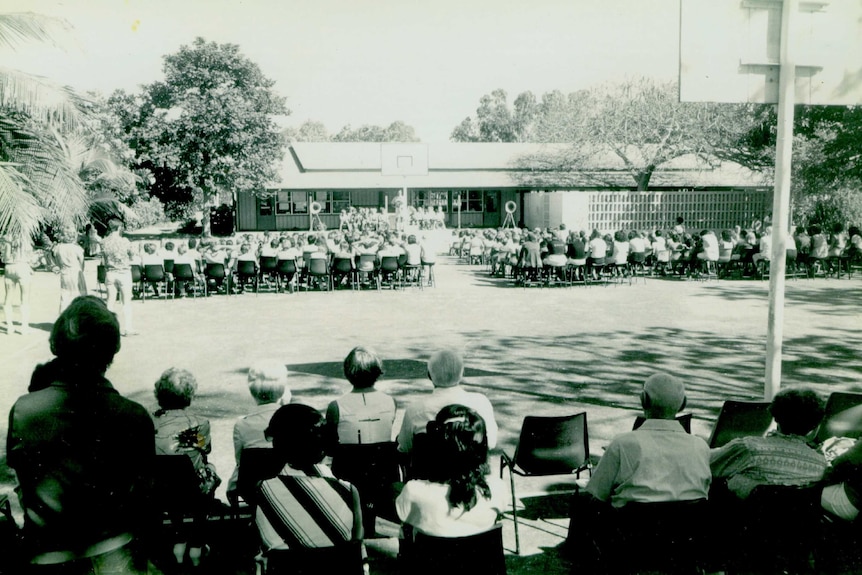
[[432, 281], [367, 270], [740, 419], [102, 280], [137, 277], [548, 446]]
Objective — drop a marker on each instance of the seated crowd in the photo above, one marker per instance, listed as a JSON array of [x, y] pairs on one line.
[[249, 258], [85, 487], [526, 254]]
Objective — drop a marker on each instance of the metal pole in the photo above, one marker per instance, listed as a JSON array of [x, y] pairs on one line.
[[780, 202]]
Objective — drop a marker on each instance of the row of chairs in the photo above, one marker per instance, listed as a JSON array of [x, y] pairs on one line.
[[276, 275], [560, 444]]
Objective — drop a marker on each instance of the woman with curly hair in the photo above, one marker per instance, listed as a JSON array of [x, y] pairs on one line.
[[454, 495]]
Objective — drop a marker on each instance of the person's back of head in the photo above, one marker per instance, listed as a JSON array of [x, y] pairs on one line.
[[300, 435], [175, 389], [446, 368], [362, 368], [267, 382], [114, 225], [663, 396], [457, 446], [797, 410], [86, 336]]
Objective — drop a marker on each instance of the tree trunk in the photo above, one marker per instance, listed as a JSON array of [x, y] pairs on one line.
[[643, 178]]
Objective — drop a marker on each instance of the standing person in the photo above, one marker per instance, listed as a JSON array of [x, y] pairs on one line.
[[82, 453], [118, 253], [69, 257], [16, 255]]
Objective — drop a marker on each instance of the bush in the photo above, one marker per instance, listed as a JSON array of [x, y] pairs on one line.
[[148, 212]]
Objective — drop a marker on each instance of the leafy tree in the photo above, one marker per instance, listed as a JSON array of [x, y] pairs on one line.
[[395, 132], [37, 183], [207, 129], [308, 131], [496, 122]]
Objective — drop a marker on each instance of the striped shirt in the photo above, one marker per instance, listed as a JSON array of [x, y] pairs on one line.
[[300, 511]]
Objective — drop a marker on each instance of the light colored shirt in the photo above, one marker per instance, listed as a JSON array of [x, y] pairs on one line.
[[598, 248], [117, 252], [657, 462], [248, 434], [776, 459], [424, 505], [420, 412]]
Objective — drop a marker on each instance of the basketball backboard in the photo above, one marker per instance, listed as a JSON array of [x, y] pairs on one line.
[[403, 159], [729, 51]]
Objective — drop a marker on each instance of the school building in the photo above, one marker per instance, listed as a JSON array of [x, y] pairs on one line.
[[477, 184]]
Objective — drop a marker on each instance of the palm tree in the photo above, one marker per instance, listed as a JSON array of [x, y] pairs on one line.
[[37, 182]]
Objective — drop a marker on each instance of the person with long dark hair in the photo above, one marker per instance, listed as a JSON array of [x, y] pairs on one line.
[[453, 496]]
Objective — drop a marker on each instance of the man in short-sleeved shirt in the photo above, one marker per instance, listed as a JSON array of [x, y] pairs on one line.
[[445, 368]]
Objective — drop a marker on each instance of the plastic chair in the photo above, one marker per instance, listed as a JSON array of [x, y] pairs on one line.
[[287, 272], [268, 273], [246, 272], [255, 465], [740, 419], [842, 417], [317, 271], [137, 277], [480, 554], [155, 275], [102, 280], [342, 268], [367, 269], [216, 273], [390, 272], [373, 469], [183, 276], [547, 446]]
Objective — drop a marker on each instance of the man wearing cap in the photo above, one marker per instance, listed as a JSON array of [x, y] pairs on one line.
[[658, 463], [445, 369]]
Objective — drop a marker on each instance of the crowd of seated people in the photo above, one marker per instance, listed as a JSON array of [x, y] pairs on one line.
[[512, 252], [80, 467], [242, 258]]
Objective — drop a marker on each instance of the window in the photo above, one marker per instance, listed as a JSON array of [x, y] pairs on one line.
[[282, 205], [340, 201], [299, 202], [471, 201], [430, 199], [265, 206]]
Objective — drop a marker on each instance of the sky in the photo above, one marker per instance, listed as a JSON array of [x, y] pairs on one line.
[[424, 62]]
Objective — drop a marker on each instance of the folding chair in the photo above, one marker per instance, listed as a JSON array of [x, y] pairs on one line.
[[842, 417], [547, 446], [740, 419], [480, 554]]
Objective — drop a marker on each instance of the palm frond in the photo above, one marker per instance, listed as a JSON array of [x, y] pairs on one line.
[[20, 214], [39, 97], [20, 27]]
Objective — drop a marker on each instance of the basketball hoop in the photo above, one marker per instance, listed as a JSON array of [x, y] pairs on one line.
[[511, 207], [314, 215]]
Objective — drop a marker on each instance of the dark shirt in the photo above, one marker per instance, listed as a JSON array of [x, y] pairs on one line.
[[577, 250], [83, 455]]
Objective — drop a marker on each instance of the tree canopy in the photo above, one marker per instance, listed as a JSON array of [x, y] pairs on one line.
[[311, 131], [207, 129]]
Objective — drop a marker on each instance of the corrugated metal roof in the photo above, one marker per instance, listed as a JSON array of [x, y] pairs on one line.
[[350, 166]]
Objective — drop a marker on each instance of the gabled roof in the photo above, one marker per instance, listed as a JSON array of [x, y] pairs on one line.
[[345, 166]]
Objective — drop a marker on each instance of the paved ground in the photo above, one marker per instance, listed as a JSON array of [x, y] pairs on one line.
[[532, 351]]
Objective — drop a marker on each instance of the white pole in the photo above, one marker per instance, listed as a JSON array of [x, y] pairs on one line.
[[780, 202]]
